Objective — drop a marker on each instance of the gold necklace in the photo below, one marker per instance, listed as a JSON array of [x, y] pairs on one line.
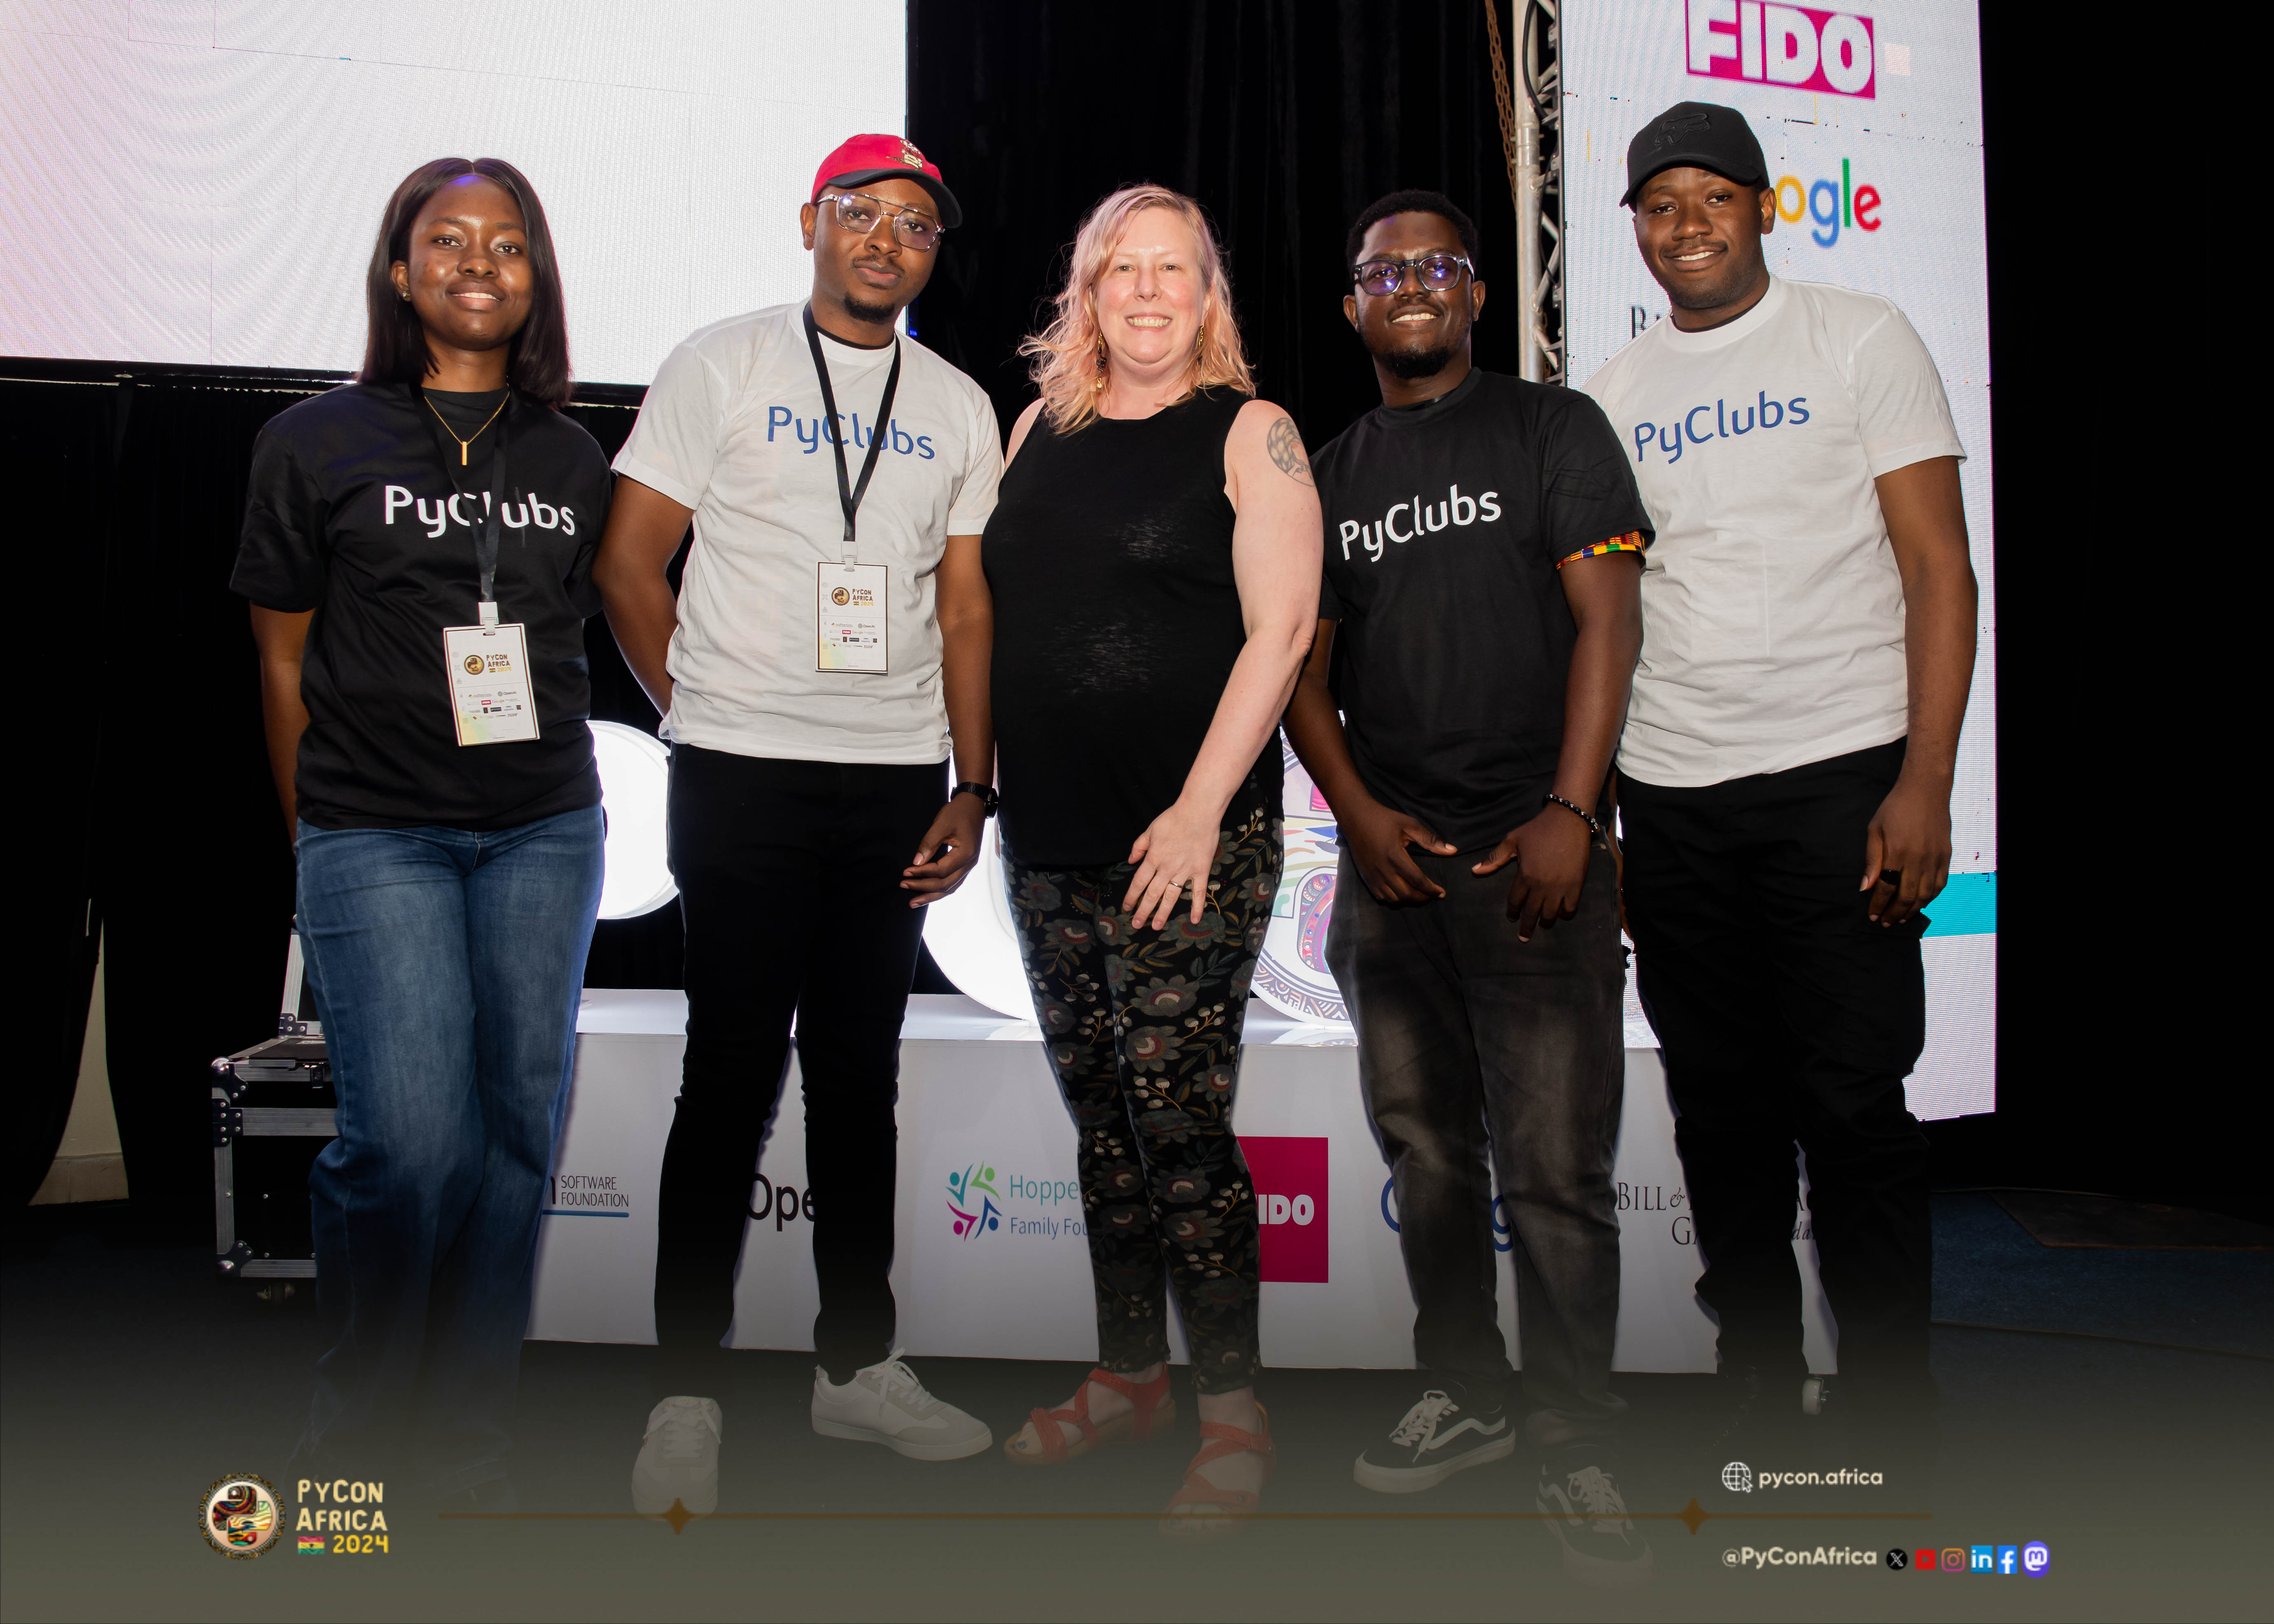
[[464, 444]]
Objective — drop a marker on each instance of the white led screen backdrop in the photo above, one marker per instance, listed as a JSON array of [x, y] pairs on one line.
[[199, 181], [1871, 123]]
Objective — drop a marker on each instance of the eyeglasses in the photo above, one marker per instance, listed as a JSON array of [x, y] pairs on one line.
[[1385, 277], [858, 213]]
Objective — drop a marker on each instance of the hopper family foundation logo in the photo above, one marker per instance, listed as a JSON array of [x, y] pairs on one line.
[[979, 1202], [238, 1515], [974, 1188]]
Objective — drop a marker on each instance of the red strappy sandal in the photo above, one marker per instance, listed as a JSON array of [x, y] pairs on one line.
[[1219, 1442], [1154, 1410]]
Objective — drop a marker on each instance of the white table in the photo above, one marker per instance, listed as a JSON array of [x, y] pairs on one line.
[[978, 1107]]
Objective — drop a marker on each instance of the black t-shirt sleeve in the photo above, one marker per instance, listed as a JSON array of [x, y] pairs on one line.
[[583, 597], [1330, 602], [280, 554], [1589, 490]]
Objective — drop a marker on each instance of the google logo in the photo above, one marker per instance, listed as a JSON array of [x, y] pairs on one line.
[[1830, 205]]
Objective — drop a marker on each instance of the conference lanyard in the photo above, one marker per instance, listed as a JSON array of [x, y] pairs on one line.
[[491, 701], [486, 532], [848, 494]]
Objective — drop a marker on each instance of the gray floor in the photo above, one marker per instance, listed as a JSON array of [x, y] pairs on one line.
[[132, 1382]]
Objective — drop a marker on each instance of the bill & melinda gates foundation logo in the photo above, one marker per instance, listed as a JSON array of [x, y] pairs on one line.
[[1288, 1176]]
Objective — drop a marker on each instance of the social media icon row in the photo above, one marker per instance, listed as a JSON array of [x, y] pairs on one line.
[[2034, 1559]]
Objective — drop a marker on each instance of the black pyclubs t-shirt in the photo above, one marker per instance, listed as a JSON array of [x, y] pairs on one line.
[[351, 512], [1446, 524]]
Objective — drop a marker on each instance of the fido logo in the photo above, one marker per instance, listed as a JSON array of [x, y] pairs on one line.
[[1290, 1175], [1787, 45]]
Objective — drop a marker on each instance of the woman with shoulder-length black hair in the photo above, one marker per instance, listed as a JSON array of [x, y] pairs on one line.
[[418, 550], [397, 348]]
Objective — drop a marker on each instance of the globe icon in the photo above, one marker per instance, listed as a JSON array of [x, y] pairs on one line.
[[1737, 1477]]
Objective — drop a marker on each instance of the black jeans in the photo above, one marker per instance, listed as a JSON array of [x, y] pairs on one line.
[[1478, 1052], [1787, 1017], [789, 877]]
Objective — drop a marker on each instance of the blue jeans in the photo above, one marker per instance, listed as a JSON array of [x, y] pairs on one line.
[[447, 965]]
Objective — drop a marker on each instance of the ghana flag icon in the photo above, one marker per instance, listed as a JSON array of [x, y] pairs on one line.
[[313, 1545]]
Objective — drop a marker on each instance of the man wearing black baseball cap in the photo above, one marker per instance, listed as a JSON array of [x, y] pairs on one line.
[[1808, 643], [829, 636]]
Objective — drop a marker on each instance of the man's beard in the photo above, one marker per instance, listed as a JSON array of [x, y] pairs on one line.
[[860, 310], [1412, 364]]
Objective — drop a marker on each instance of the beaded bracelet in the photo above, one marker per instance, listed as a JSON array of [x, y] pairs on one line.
[[1579, 812]]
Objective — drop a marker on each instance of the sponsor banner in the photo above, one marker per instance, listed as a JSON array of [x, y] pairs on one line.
[[1292, 1206], [992, 1254], [1870, 120]]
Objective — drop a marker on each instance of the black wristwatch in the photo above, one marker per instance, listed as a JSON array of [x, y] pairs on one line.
[[988, 799]]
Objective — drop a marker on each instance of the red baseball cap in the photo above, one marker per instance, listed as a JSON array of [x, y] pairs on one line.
[[866, 158]]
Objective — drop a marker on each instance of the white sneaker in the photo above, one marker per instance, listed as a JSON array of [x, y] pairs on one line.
[[679, 1458], [885, 1404]]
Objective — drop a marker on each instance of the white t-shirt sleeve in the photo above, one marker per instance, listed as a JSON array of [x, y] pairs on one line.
[[673, 446], [1901, 414], [982, 468]]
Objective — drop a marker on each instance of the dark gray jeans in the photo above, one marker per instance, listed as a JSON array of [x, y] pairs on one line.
[[1480, 1053]]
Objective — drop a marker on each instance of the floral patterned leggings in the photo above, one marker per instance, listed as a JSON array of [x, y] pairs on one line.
[[1143, 1030]]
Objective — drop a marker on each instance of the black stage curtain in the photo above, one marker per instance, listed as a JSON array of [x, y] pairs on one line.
[[159, 831], [142, 762], [1287, 117], [1283, 117]]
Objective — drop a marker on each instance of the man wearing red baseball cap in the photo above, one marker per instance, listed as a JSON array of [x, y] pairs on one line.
[[827, 641]]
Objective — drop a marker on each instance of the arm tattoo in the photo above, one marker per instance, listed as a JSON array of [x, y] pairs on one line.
[[1286, 448]]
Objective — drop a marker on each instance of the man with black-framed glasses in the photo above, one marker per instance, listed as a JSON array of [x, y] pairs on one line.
[[829, 636], [1479, 621]]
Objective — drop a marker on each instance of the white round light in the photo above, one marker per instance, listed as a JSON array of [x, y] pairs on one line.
[[635, 793], [1291, 974], [972, 941]]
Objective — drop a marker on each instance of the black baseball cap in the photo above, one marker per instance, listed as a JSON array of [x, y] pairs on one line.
[[1701, 135]]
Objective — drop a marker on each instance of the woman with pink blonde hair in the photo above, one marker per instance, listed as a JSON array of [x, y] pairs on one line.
[[1154, 563]]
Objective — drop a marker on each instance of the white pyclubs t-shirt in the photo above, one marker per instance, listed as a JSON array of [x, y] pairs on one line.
[[1772, 610], [732, 428]]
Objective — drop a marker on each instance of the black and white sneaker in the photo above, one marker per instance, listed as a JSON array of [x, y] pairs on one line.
[[1588, 1517], [1439, 1436]]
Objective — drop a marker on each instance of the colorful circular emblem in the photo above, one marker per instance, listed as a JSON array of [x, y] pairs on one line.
[[839, 597], [239, 1515], [473, 665], [1291, 976]]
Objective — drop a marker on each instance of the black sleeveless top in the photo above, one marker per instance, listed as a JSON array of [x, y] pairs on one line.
[[1117, 623]]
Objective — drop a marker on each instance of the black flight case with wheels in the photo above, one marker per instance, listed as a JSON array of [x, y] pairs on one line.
[[273, 1111]]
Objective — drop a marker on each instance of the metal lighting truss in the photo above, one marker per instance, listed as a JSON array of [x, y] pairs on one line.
[[1532, 138]]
